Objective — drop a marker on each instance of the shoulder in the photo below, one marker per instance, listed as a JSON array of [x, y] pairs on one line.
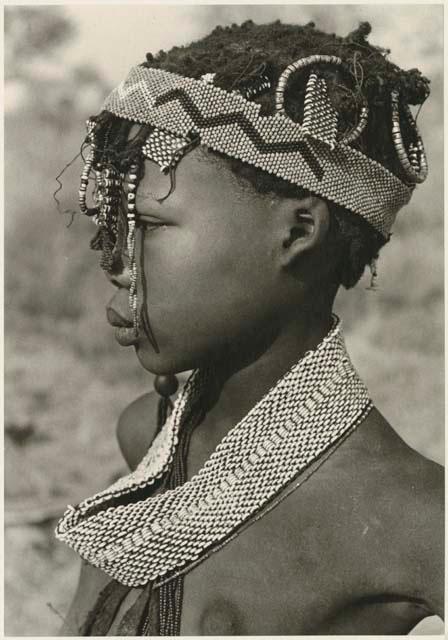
[[402, 496], [421, 493], [380, 503], [410, 486], [385, 464], [136, 428]]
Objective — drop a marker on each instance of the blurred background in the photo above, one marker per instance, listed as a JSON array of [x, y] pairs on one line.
[[66, 380]]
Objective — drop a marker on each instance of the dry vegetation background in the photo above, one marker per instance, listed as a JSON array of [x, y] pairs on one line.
[[66, 379]]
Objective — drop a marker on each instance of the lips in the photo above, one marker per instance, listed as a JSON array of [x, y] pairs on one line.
[[124, 328], [126, 336], [117, 320]]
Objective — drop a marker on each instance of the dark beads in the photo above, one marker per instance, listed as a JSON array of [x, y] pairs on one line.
[[166, 386]]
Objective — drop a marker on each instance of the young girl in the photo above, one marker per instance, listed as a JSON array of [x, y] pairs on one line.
[[239, 182]]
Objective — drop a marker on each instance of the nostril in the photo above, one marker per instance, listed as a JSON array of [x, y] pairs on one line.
[[121, 279]]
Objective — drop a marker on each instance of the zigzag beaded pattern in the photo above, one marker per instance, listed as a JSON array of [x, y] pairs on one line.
[[228, 123], [310, 408]]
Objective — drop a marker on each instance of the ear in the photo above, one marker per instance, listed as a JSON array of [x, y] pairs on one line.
[[303, 228]]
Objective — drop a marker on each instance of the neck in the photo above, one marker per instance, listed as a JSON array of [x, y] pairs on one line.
[[242, 379]]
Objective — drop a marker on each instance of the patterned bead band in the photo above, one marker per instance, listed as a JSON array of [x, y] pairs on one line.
[[165, 149], [414, 160], [229, 123], [135, 537]]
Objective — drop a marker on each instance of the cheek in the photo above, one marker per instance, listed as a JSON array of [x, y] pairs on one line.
[[186, 270], [201, 291]]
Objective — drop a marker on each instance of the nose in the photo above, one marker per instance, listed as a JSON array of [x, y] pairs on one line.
[[121, 280]]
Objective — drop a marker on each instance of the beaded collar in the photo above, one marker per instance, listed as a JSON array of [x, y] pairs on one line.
[[136, 538]]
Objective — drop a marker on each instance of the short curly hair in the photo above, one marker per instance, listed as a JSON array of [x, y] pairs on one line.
[[239, 53]]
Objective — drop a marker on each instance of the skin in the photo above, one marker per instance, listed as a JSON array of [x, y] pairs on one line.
[[359, 548]]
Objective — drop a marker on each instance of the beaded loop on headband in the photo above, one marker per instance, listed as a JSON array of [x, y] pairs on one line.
[[300, 64], [318, 106], [413, 160]]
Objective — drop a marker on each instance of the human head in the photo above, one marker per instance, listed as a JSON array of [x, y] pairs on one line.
[[249, 59]]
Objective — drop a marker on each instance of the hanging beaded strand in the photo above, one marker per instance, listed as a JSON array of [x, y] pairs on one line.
[[413, 160], [90, 163], [131, 189], [85, 182], [106, 195]]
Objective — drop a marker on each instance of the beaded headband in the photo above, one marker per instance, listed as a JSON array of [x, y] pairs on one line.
[[310, 154]]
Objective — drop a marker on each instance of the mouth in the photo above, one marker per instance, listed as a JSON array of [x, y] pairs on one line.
[[124, 329], [126, 336], [117, 320]]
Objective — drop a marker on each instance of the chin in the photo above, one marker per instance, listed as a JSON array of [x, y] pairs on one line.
[[161, 363]]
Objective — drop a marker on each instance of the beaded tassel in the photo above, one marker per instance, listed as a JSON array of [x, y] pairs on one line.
[[84, 182], [413, 160], [171, 593], [130, 197]]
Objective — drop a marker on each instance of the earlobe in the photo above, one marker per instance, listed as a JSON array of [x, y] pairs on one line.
[[306, 224]]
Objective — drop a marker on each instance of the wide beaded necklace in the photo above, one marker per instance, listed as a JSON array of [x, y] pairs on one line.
[[136, 537]]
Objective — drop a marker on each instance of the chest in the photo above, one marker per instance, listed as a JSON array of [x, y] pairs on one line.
[[319, 562], [258, 585], [286, 574]]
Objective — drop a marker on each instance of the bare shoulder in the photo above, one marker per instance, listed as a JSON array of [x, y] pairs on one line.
[[384, 459], [418, 501], [376, 506], [415, 483], [402, 498], [136, 428]]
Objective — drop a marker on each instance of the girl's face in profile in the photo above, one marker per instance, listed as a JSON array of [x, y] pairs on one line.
[[209, 249]]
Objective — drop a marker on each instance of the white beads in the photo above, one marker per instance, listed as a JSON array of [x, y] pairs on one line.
[[316, 404], [413, 161], [348, 176], [300, 64]]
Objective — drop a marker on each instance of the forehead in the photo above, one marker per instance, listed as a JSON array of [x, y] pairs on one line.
[[197, 174]]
